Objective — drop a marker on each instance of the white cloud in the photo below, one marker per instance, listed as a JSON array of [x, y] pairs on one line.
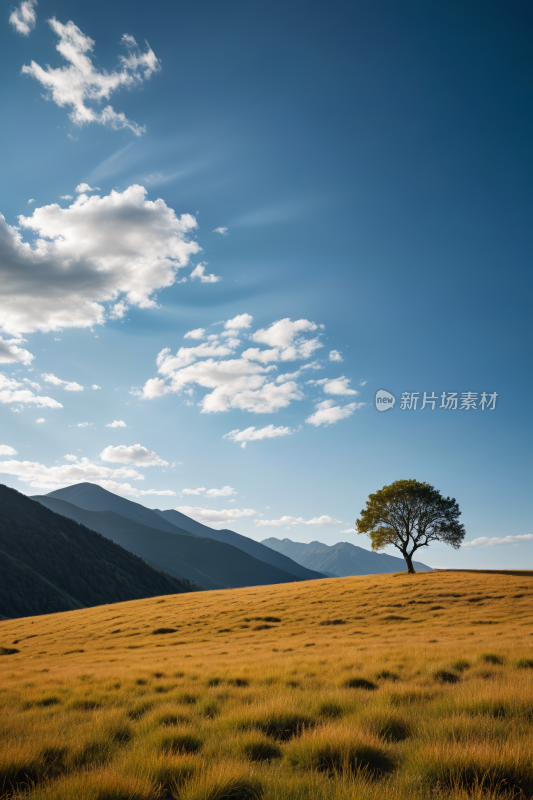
[[135, 454], [226, 491], [348, 530], [81, 83], [484, 541], [209, 516], [197, 333], [41, 419], [335, 355], [238, 322], [31, 200], [82, 188], [66, 197], [6, 450], [316, 522], [327, 412], [199, 272], [117, 423], [254, 434], [335, 385], [13, 391], [68, 386], [77, 471], [85, 425], [94, 251], [222, 230], [11, 353], [95, 386], [24, 17], [238, 382]]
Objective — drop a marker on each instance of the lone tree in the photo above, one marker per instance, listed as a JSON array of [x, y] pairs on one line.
[[409, 515]]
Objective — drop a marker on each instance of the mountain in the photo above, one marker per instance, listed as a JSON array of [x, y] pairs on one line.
[[341, 559], [49, 563], [250, 546], [213, 564], [93, 498]]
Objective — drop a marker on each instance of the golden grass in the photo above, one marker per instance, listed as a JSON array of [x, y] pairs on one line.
[[408, 687]]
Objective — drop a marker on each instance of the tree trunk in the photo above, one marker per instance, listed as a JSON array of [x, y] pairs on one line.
[[409, 562]]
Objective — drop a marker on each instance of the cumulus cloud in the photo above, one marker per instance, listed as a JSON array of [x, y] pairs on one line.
[[197, 333], [31, 200], [83, 188], [117, 423], [485, 541], [99, 249], [247, 380], [348, 530], [222, 230], [66, 197], [199, 272], [68, 386], [226, 491], [41, 419], [237, 382], [6, 450], [85, 424], [335, 385], [80, 86], [95, 386], [334, 355], [316, 522], [209, 516], [135, 454], [24, 17], [13, 391], [10, 352], [327, 412], [254, 434]]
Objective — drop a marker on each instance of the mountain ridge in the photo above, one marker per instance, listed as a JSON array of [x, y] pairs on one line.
[[342, 559]]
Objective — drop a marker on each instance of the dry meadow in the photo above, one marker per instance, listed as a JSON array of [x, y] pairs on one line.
[[380, 686]]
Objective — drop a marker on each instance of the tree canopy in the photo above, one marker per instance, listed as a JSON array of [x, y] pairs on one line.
[[409, 515]]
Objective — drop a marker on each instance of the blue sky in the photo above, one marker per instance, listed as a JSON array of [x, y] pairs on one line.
[[239, 221]]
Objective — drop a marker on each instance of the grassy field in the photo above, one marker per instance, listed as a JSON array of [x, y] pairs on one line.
[[389, 686]]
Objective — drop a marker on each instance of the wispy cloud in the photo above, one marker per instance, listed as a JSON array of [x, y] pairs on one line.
[[226, 491], [24, 17], [199, 272], [222, 230], [327, 413], [316, 522], [485, 541], [81, 84], [117, 423], [13, 391], [209, 516], [256, 434]]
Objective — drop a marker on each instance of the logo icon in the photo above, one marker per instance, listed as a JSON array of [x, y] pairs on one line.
[[384, 400]]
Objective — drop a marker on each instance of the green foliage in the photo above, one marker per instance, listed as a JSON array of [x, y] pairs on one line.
[[408, 515]]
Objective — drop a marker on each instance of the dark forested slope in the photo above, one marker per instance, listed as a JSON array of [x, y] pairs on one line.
[[49, 563]]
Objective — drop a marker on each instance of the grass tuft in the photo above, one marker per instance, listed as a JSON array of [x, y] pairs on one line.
[[360, 683], [336, 750]]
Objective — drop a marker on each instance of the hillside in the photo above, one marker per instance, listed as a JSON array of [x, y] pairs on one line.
[[91, 497], [250, 546], [341, 559], [423, 682], [49, 563], [213, 564]]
